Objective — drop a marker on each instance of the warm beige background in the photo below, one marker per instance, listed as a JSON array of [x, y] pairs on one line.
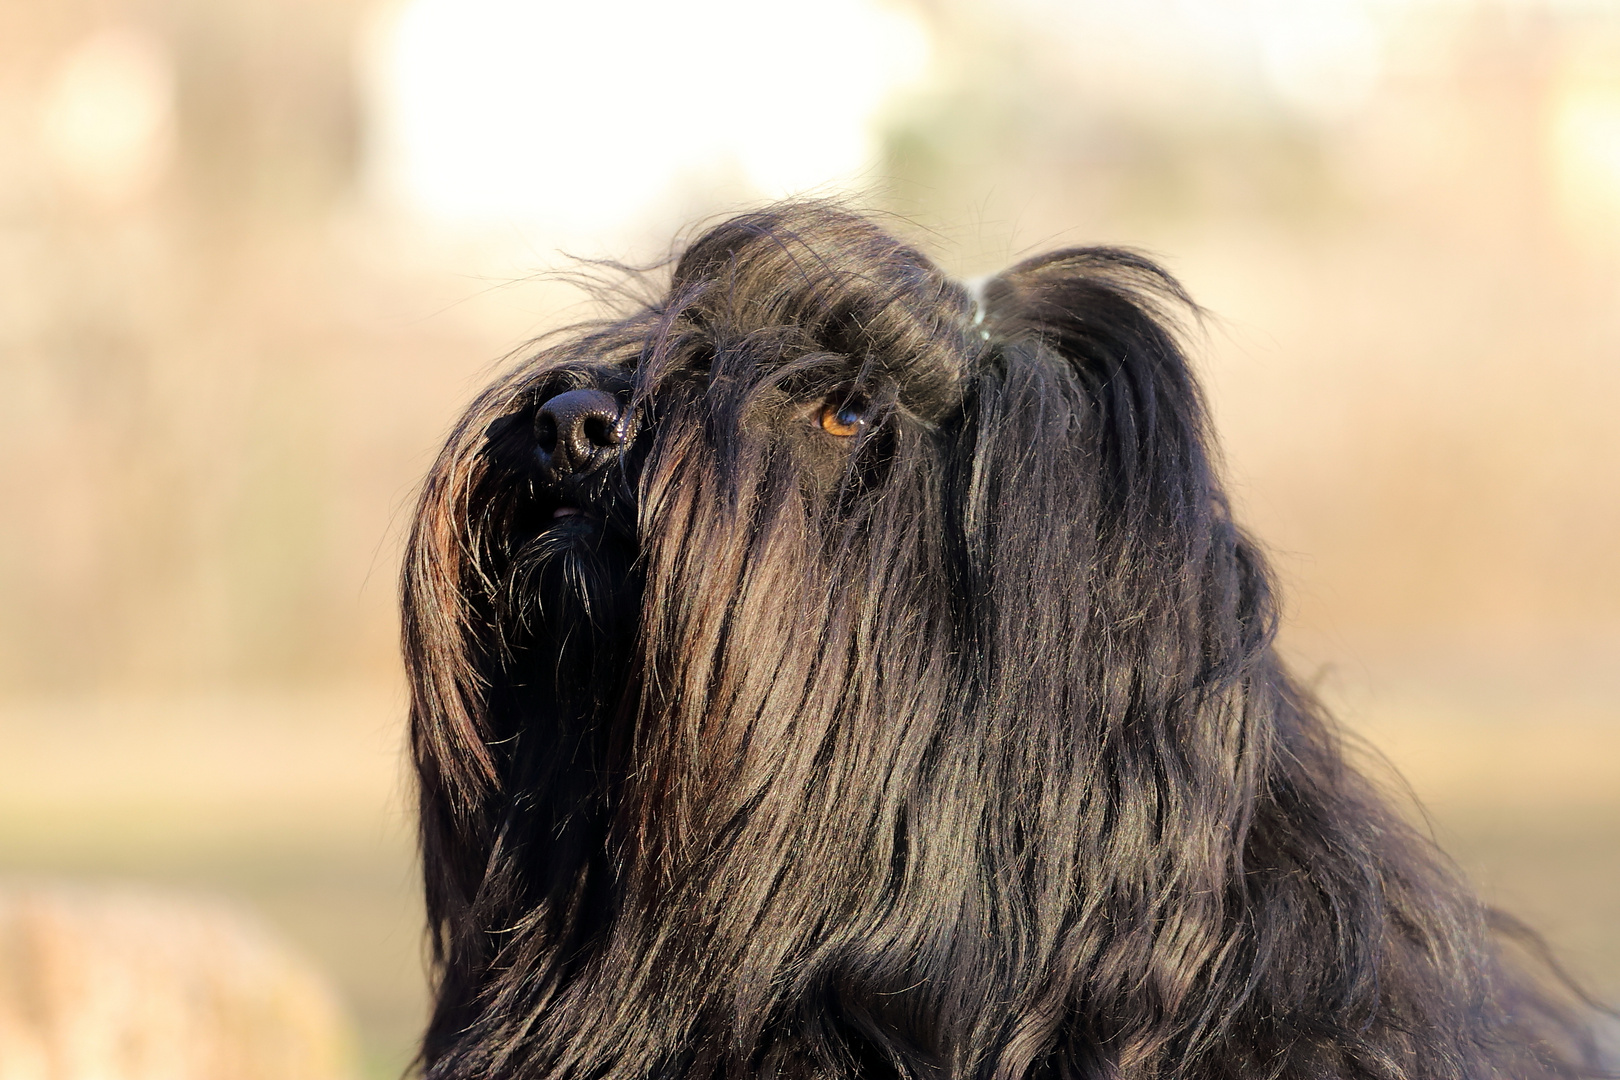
[[223, 365]]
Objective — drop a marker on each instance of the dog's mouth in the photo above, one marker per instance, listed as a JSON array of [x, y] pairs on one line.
[[564, 513]]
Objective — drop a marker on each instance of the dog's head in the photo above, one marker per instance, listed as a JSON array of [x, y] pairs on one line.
[[827, 669]]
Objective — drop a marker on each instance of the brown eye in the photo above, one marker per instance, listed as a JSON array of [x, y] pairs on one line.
[[844, 421]]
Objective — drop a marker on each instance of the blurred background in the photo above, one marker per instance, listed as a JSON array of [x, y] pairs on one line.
[[256, 254]]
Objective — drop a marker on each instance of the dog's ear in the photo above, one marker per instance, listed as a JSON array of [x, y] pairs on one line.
[[1107, 319], [1091, 428], [1104, 578]]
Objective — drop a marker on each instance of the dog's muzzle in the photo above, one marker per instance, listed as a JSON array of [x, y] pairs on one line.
[[577, 432]]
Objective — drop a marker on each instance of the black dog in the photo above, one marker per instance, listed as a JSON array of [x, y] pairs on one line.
[[824, 672]]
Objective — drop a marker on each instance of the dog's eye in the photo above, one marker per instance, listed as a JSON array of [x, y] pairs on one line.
[[844, 420]]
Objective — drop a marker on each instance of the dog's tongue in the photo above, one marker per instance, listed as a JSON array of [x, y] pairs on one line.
[[565, 511]]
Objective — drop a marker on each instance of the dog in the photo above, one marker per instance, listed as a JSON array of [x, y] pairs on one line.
[[828, 670]]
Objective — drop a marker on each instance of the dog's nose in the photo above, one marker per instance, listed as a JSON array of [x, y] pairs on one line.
[[576, 429]]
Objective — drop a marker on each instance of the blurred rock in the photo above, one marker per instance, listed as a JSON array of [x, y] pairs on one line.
[[125, 984]]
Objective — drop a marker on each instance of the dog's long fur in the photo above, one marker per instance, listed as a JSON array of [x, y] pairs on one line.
[[956, 747]]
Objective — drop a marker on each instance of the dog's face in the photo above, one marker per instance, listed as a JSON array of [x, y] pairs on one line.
[[822, 672], [704, 487], [706, 522], [807, 419], [771, 451]]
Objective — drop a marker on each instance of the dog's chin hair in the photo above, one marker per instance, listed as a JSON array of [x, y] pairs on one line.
[[908, 709], [569, 610]]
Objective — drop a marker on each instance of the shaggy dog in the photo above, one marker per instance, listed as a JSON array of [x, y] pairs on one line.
[[827, 672]]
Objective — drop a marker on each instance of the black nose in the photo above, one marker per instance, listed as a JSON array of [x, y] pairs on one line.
[[576, 430]]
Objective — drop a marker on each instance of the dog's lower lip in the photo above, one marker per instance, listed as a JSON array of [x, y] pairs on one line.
[[573, 517]]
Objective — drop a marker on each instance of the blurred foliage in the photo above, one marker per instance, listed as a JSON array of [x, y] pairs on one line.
[[167, 355]]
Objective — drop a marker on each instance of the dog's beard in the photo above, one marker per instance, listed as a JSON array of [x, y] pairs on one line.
[[571, 598]]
